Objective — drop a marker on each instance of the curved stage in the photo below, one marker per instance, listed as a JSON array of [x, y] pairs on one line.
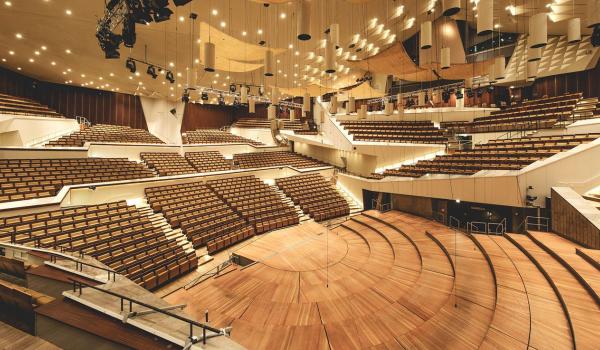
[[391, 281]]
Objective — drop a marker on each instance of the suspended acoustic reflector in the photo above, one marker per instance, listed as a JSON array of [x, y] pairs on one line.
[[451, 7], [306, 102], [445, 58], [485, 17], [333, 105], [492, 73], [426, 29], [209, 57], [389, 108], [269, 63], [593, 11], [362, 112], [538, 30], [244, 94], [574, 30], [532, 68], [303, 24]]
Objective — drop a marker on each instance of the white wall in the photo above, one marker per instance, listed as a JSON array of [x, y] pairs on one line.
[[160, 121], [256, 134], [27, 130]]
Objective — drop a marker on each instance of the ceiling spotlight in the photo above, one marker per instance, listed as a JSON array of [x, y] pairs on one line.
[[204, 96], [128, 34], [162, 14], [152, 72], [169, 77], [180, 2], [130, 64], [232, 88], [459, 94]]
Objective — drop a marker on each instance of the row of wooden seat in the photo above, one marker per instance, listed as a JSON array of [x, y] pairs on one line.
[[203, 136], [279, 158], [116, 234], [513, 154], [13, 267], [201, 215], [33, 178], [167, 163], [265, 123], [395, 131], [315, 195], [206, 162], [17, 305], [256, 202], [105, 133], [10, 104]]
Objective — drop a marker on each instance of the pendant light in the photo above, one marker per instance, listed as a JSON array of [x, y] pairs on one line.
[[244, 94], [303, 20], [329, 57], [574, 31], [485, 17], [306, 103], [333, 105], [426, 29], [538, 30], [451, 7], [251, 106], [268, 63], [209, 57], [271, 112]]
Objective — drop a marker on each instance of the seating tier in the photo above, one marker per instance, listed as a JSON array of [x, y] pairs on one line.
[[105, 133], [279, 158]]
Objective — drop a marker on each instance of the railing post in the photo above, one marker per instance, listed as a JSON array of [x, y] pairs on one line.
[[204, 329]]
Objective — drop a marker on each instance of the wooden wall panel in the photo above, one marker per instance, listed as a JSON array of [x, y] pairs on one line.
[[97, 106], [199, 116], [574, 218]]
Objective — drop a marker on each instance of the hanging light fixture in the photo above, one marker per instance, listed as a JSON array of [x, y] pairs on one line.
[[268, 63], [351, 104], [244, 94], [426, 29], [251, 106], [499, 68], [333, 105], [271, 112], [538, 30], [485, 17], [329, 57], [532, 69], [451, 7], [574, 30], [303, 24], [306, 103], [209, 57], [445, 64]]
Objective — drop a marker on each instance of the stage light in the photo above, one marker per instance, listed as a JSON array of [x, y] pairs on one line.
[[204, 96], [130, 64], [181, 2], [162, 14], [152, 72], [446, 96], [232, 88], [129, 36], [169, 77], [459, 95]]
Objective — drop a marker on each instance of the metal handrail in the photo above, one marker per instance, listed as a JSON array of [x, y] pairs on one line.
[[542, 222], [78, 286], [382, 207], [439, 215], [474, 227], [454, 220]]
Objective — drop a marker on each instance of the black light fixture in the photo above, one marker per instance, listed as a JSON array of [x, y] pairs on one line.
[[169, 77], [470, 93], [479, 93], [109, 42], [129, 36], [459, 94], [162, 14], [232, 88], [221, 100], [152, 72], [186, 96], [204, 96], [446, 96], [130, 64], [181, 2]]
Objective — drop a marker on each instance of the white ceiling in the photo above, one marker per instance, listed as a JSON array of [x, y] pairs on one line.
[[47, 31]]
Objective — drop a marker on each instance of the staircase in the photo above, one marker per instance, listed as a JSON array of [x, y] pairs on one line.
[[287, 200], [158, 220], [355, 208]]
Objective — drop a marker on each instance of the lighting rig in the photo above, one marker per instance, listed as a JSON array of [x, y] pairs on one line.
[[151, 70], [128, 13]]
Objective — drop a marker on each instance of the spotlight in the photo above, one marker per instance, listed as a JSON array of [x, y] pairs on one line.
[[169, 77], [109, 42], [162, 14], [129, 36], [204, 96], [152, 72], [130, 64], [221, 100], [180, 2], [459, 94], [232, 88]]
